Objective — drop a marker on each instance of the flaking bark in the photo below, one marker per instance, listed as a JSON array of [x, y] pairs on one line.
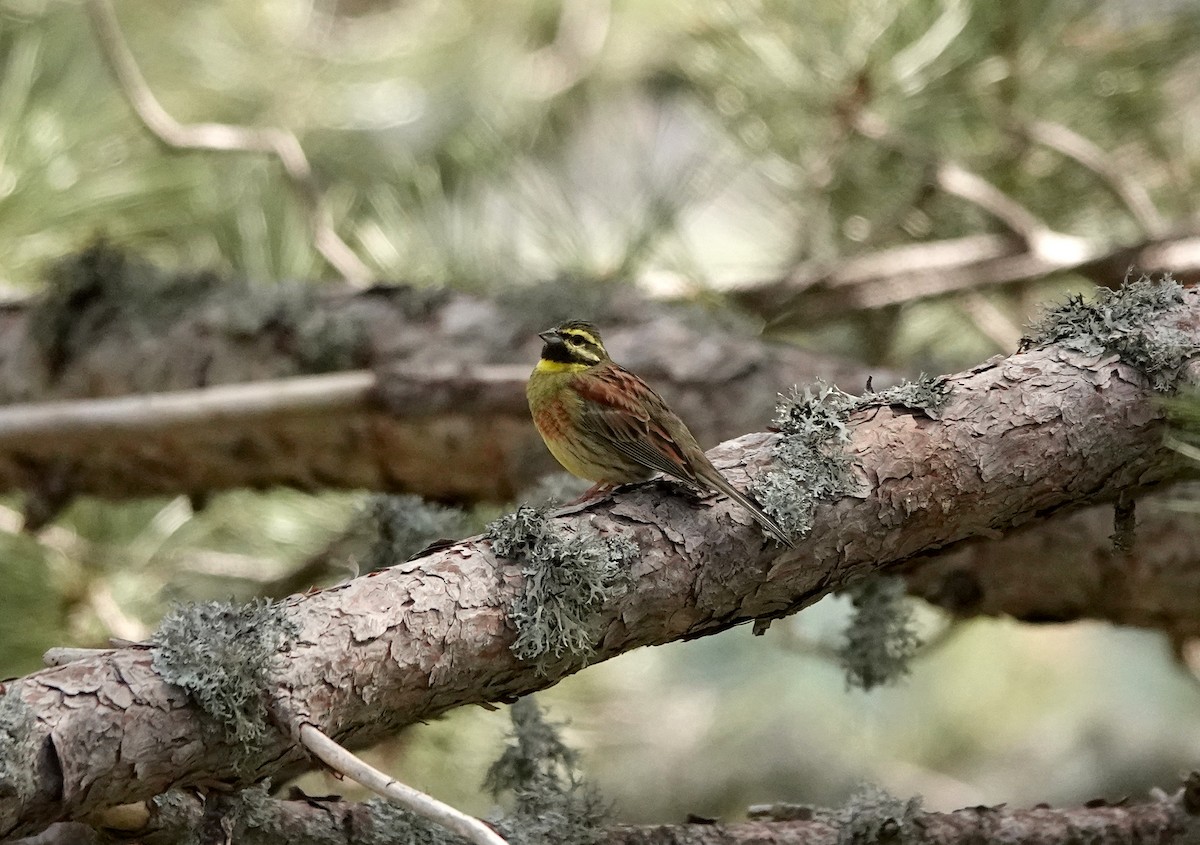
[[1021, 438]]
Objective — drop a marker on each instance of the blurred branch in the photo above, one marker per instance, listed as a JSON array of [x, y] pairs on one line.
[[956, 180], [1163, 819], [442, 413], [126, 416], [414, 640], [225, 138], [913, 272], [990, 320], [583, 27], [1075, 146], [1033, 251]]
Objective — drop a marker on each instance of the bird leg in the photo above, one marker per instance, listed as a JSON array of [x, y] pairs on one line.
[[594, 492]]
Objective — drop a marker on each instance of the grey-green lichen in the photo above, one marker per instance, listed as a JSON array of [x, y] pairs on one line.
[[881, 638], [568, 577], [391, 824], [1127, 322], [102, 289], [927, 393], [551, 803], [810, 464], [18, 746], [221, 654], [871, 815], [173, 811], [400, 526]]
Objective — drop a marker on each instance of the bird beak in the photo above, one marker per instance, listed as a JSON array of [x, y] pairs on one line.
[[549, 335]]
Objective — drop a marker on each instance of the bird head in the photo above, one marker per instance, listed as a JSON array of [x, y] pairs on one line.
[[575, 343]]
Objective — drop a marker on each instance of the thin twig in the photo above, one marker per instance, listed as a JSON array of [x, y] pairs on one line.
[[210, 405], [1082, 150], [1040, 238], [224, 137], [62, 655], [583, 27], [954, 179], [990, 320], [345, 763]]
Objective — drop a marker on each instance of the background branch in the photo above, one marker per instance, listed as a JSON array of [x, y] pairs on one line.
[[224, 137], [304, 820]]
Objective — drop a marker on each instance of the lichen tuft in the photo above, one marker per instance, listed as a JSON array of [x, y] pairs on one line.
[[18, 745], [810, 465], [871, 815], [391, 824], [568, 577], [221, 653], [552, 804], [1126, 322], [881, 638], [928, 393], [400, 526]]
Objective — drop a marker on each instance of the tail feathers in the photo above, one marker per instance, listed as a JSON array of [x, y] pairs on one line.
[[753, 507]]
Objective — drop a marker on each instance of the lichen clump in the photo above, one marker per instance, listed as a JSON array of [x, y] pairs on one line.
[[552, 805], [400, 526], [221, 654], [928, 393], [568, 577], [18, 745], [1127, 322], [810, 464], [881, 637], [872, 815]]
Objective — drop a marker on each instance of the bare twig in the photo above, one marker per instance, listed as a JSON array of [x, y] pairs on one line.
[[211, 405], [345, 763], [990, 320], [1041, 239], [224, 137], [1082, 150], [956, 180], [62, 655], [583, 27], [922, 271]]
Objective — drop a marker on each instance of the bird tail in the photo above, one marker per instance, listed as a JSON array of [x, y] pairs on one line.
[[760, 516]]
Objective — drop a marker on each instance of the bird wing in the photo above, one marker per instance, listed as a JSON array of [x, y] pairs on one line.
[[630, 416]]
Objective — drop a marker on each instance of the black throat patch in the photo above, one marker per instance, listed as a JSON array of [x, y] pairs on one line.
[[557, 351]]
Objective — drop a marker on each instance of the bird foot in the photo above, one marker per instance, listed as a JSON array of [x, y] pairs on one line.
[[593, 492]]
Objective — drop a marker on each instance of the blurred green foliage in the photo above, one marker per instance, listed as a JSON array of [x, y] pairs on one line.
[[683, 145]]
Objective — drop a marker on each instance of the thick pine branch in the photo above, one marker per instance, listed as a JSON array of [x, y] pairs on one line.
[[1163, 820], [1019, 439], [198, 385]]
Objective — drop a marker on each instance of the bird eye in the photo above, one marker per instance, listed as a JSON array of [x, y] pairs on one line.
[[575, 340]]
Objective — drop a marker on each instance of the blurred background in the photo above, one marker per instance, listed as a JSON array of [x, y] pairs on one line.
[[712, 151]]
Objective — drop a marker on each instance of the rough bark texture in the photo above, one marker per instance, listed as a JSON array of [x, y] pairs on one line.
[[331, 821], [109, 327], [1019, 439], [1068, 568]]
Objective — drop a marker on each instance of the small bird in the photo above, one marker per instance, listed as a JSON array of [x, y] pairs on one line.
[[606, 425]]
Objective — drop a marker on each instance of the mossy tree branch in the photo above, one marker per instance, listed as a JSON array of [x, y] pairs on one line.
[[1163, 820], [395, 389], [1016, 440]]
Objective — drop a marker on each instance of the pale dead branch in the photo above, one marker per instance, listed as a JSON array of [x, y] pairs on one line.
[[345, 763], [225, 138]]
